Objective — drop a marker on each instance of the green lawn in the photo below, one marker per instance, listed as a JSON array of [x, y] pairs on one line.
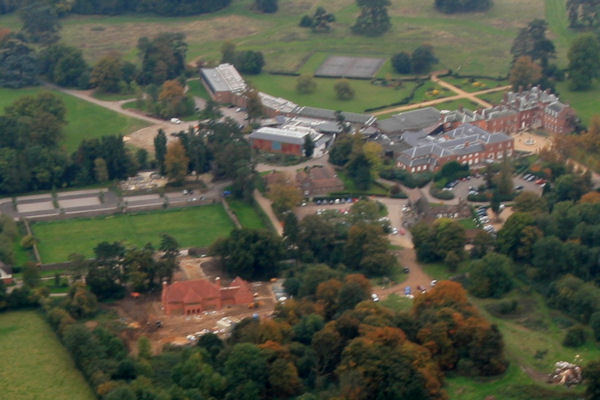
[[467, 223], [196, 88], [366, 95], [584, 102], [397, 303], [456, 104], [493, 98], [192, 227], [477, 43], [36, 366], [476, 85], [350, 187], [84, 120], [246, 214]]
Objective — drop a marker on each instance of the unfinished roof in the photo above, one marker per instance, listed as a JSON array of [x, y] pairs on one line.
[[277, 103], [224, 78], [322, 113], [279, 135]]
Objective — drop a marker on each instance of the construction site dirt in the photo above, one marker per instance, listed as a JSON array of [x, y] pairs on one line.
[[144, 315]]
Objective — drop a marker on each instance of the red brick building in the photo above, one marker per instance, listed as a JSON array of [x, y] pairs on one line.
[[319, 180], [529, 109], [224, 84], [277, 140], [197, 296]]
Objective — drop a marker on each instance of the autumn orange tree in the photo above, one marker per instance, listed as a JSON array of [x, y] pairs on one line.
[[176, 163], [457, 336]]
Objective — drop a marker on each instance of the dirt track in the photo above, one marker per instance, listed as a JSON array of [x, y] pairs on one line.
[[416, 276]]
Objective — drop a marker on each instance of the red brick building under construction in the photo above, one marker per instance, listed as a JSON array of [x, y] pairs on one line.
[[197, 296]]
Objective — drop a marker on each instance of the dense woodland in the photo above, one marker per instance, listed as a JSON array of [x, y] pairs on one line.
[[457, 6], [117, 7]]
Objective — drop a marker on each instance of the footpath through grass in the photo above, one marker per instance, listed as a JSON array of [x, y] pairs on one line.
[[84, 120], [191, 227], [36, 365], [246, 214]]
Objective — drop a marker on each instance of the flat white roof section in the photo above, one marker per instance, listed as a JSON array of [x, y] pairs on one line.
[[224, 78]]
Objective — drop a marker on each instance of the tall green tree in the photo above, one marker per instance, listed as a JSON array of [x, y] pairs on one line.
[[250, 254], [160, 150], [532, 41], [373, 19], [63, 65], [107, 74], [40, 22], [266, 6], [308, 146], [422, 59], [591, 375], [584, 61], [18, 63], [163, 57], [490, 276]]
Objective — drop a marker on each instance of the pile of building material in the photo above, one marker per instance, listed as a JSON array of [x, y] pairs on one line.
[[566, 373]]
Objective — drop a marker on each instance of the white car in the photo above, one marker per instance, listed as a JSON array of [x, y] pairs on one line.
[[175, 121], [374, 297], [434, 282]]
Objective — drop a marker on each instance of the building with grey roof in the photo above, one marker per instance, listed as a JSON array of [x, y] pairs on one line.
[[427, 118], [276, 105], [467, 144], [286, 140], [224, 84]]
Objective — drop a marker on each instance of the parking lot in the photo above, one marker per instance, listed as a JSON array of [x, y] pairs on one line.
[[462, 188]]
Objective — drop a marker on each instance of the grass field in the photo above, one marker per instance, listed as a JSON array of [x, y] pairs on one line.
[[584, 102], [196, 88], [493, 98], [456, 104], [40, 367], [84, 120], [487, 36], [191, 227], [367, 95], [474, 86], [246, 214], [472, 43]]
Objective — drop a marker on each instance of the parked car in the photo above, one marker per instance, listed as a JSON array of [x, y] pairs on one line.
[[519, 187], [175, 121], [434, 282], [405, 270], [374, 297]]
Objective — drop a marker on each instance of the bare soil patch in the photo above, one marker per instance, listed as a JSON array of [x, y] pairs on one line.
[[141, 315]]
